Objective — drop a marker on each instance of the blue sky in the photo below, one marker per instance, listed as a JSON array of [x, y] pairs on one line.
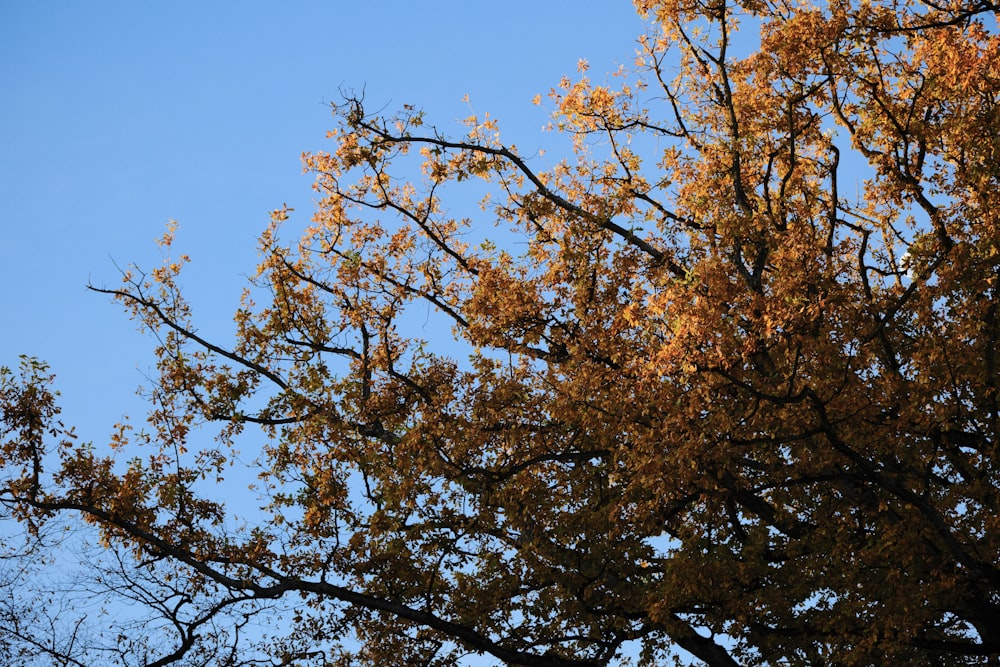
[[119, 116]]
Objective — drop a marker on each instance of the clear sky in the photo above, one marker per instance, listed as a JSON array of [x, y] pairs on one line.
[[119, 116]]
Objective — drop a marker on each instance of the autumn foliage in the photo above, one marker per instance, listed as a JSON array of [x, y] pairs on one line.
[[720, 386]]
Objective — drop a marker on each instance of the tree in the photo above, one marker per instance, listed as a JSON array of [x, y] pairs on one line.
[[724, 380]]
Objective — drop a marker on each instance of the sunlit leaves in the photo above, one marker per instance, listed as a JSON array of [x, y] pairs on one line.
[[724, 378]]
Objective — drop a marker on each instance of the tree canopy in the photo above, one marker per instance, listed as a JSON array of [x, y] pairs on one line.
[[719, 386]]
